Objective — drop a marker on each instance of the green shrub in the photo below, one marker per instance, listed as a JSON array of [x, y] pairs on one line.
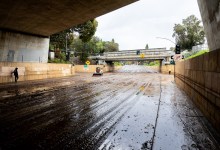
[[118, 64], [58, 61], [154, 63], [196, 54]]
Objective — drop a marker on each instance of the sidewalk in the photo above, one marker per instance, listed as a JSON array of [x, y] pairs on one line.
[[179, 123]]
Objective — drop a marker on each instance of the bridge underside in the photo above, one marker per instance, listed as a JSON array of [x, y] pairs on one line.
[[26, 25], [46, 17]]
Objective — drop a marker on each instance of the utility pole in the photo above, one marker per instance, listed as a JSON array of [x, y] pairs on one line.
[[175, 51], [66, 43]]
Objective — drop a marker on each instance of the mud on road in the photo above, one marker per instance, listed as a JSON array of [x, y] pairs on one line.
[[114, 111]]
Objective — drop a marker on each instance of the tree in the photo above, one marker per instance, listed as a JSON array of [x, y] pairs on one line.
[[172, 49], [94, 46], [85, 30], [111, 46], [189, 33], [59, 40], [83, 43], [147, 47], [100, 47]]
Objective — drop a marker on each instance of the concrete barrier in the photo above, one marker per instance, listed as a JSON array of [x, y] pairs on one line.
[[117, 67], [200, 79], [155, 68], [34, 71], [91, 68], [166, 68]]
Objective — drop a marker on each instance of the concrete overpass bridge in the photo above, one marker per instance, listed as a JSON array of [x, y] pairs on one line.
[[160, 54], [135, 55]]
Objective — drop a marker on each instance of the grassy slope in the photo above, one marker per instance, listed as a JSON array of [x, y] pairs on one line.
[[197, 54]]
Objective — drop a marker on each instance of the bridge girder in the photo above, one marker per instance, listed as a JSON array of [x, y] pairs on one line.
[[46, 17], [130, 58], [141, 59]]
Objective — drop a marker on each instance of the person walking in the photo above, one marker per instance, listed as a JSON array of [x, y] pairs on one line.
[[16, 74]]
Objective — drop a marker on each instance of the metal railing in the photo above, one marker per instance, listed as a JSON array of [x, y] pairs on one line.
[[133, 53]]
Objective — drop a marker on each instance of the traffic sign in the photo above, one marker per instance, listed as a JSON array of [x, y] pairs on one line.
[[142, 55], [88, 62], [172, 62], [86, 67]]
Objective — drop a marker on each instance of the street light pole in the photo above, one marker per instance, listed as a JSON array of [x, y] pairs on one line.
[[66, 43], [166, 39], [175, 45]]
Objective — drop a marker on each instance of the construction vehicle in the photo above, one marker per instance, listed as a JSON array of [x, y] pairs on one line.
[[98, 72]]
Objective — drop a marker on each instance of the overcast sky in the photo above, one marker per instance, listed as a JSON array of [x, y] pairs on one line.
[[138, 24]]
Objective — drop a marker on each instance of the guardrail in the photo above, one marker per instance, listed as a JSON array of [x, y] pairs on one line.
[[150, 53]]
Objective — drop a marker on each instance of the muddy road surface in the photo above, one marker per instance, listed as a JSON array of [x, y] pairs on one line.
[[117, 111]]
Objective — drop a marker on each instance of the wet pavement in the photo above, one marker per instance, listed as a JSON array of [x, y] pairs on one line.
[[136, 69], [117, 111]]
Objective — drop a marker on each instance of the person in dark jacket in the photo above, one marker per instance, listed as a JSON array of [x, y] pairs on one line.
[[16, 74]]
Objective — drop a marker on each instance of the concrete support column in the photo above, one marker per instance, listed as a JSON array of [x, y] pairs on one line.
[[111, 66], [17, 47], [160, 67], [210, 12]]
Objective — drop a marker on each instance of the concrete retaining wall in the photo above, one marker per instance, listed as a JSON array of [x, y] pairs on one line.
[[155, 68], [33, 71], [200, 79], [92, 68], [166, 68], [117, 67]]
